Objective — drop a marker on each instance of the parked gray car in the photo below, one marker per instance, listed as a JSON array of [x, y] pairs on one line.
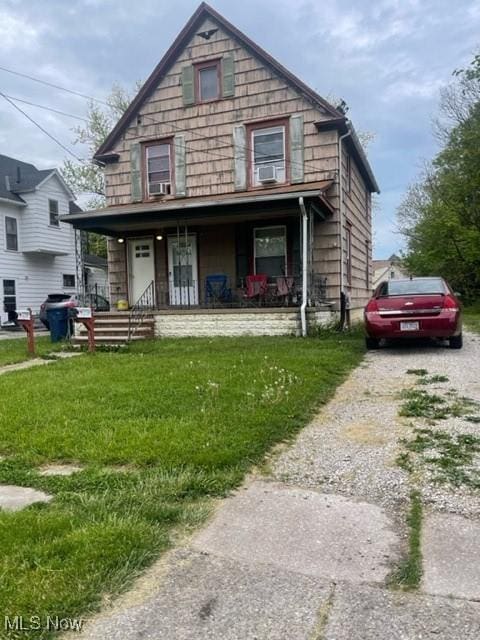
[[67, 301]]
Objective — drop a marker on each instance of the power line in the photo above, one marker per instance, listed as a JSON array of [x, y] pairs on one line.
[[41, 106], [54, 86], [169, 124], [47, 133]]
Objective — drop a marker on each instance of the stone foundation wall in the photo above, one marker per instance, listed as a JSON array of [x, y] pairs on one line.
[[235, 322]]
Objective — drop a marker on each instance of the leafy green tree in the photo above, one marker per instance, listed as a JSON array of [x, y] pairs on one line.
[[87, 178], [440, 215]]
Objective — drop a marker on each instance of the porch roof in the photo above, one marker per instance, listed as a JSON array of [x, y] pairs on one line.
[[116, 220]]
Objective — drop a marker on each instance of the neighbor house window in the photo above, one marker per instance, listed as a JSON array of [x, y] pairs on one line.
[[53, 212], [11, 234], [268, 151], [68, 280], [9, 299], [270, 251], [348, 249], [158, 160], [207, 80]]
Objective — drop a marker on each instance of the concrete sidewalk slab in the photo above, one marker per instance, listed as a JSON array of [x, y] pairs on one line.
[[362, 612], [303, 531], [451, 558], [13, 498], [204, 597]]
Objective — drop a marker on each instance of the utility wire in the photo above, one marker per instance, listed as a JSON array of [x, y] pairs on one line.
[[54, 86], [47, 133], [42, 106], [154, 121]]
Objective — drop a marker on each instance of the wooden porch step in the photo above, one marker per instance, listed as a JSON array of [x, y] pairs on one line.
[[83, 339]]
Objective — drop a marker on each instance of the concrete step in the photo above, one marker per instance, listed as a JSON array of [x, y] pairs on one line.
[[120, 321], [118, 330], [82, 339]]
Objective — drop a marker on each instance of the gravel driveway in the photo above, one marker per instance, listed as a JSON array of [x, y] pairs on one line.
[[308, 551]]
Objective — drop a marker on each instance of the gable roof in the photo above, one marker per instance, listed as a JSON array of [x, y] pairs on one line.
[[205, 11], [17, 177]]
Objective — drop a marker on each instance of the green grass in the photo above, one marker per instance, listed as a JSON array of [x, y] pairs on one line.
[[409, 573], [15, 349], [471, 316], [188, 418]]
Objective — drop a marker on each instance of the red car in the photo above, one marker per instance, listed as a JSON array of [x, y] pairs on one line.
[[413, 308]]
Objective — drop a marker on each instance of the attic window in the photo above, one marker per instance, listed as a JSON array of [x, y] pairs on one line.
[[208, 81]]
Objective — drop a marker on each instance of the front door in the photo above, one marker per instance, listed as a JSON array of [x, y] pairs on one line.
[[141, 266], [182, 270]]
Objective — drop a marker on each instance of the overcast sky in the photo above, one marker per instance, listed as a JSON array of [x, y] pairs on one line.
[[388, 59]]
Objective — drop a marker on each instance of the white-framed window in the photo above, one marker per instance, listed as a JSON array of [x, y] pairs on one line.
[[158, 165], [53, 213], [268, 155], [11, 234], [270, 250], [68, 280]]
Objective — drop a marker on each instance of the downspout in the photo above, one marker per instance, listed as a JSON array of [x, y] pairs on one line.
[[303, 308], [343, 297]]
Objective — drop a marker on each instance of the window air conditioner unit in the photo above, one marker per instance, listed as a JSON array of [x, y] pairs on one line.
[[159, 188], [267, 174]]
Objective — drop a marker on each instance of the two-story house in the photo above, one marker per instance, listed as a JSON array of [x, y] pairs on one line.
[[37, 250], [233, 190]]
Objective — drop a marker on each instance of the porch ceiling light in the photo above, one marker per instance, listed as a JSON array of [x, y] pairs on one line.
[[120, 240], [159, 237]]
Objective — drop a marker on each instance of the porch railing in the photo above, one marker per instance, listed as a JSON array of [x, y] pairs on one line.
[[188, 294], [144, 304]]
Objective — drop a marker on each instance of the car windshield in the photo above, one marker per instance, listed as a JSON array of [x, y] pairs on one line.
[[422, 286], [57, 297]]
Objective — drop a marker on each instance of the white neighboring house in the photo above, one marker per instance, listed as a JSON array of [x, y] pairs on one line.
[[37, 251], [387, 270]]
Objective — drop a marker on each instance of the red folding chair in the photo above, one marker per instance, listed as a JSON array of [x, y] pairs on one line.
[[257, 287]]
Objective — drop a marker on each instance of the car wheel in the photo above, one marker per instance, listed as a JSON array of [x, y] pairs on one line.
[[456, 342], [372, 343]]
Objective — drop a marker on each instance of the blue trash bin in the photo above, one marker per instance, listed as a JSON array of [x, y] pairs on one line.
[[58, 321]]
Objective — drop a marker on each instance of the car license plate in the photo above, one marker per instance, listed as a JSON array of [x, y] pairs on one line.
[[409, 326]]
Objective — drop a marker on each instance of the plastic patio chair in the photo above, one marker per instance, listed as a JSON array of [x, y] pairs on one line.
[[216, 289]]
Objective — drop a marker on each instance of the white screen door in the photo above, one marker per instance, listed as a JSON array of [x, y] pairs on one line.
[[141, 266], [182, 270]]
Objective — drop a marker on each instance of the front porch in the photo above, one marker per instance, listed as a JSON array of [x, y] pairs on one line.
[[256, 259]]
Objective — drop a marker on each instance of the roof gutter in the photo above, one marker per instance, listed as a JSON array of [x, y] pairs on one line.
[[14, 202]]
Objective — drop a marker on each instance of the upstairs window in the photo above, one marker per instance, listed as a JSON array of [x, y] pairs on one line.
[[11, 234], [53, 213], [158, 159], [208, 81], [268, 155]]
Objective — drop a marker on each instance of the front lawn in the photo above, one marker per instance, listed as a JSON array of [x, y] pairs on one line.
[[14, 350], [160, 430]]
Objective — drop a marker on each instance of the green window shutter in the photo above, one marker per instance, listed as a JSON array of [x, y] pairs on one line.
[[240, 157], [136, 171], [180, 173], [228, 76], [296, 148], [188, 89]]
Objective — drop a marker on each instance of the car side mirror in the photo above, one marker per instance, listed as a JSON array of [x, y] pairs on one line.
[[457, 294]]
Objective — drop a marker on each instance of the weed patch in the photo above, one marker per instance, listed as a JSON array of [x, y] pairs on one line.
[[450, 458], [417, 372], [409, 573], [424, 380], [418, 403]]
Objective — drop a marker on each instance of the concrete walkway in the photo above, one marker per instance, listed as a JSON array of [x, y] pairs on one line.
[[306, 552], [35, 362]]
